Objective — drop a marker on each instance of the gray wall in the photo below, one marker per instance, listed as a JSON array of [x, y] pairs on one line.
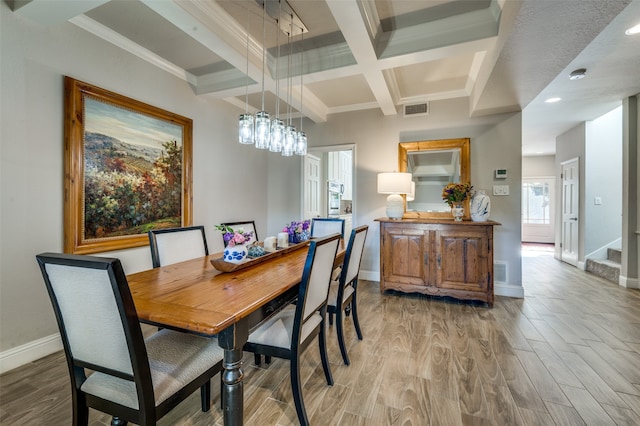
[[603, 222], [539, 166]]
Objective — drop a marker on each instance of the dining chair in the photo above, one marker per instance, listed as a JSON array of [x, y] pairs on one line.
[[173, 245], [342, 293], [247, 226], [321, 226], [289, 332], [134, 379]]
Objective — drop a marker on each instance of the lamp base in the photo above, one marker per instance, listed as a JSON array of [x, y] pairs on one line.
[[395, 206]]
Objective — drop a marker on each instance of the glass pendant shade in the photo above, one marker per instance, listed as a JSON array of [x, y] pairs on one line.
[[289, 141], [245, 129], [277, 135], [301, 143], [263, 130]]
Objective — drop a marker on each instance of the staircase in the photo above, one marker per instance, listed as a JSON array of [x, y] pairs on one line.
[[609, 268]]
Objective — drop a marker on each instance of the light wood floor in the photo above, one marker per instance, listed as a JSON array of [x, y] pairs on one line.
[[567, 354]]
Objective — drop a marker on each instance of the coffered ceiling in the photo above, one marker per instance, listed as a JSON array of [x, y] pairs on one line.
[[501, 55]]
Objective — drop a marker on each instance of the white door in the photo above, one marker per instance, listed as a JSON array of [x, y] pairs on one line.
[[570, 205], [312, 189], [538, 212]]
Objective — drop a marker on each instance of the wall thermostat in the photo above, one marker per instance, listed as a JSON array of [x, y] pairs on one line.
[[501, 173]]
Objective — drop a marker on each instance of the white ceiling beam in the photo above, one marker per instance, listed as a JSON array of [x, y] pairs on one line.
[[349, 18], [209, 24], [47, 12], [124, 43]]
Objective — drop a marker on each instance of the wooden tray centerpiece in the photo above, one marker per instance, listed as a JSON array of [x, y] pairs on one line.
[[223, 266]]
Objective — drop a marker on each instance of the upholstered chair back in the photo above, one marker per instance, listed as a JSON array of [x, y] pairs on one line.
[[354, 252], [88, 311], [321, 227], [175, 245], [319, 270]]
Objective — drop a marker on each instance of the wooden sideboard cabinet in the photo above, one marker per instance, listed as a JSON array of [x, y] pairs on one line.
[[437, 257]]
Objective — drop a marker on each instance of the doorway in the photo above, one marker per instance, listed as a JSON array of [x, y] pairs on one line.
[[570, 235], [325, 169]]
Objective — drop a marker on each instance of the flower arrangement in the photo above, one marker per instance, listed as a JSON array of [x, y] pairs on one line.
[[455, 193], [298, 231], [231, 237]]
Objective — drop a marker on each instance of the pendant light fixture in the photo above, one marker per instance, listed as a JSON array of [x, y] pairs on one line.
[[259, 129]]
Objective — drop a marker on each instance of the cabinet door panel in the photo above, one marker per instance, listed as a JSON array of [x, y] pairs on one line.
[[462, 262], [405, 257]]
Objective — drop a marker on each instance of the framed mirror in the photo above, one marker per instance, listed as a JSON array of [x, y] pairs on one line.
[[434, 164]]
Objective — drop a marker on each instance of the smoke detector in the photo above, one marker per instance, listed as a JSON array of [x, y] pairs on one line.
[[578, 74]]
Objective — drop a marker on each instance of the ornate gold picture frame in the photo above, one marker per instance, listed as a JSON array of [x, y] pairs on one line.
[[127, 169]]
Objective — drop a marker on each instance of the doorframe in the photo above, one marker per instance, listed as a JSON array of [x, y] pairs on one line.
[[329, 148]]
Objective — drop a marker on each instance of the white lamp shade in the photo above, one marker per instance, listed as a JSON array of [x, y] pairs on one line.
[[412, 195], [394, 183]]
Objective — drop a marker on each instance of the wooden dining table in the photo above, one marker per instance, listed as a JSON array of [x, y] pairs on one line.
[[194, 297]]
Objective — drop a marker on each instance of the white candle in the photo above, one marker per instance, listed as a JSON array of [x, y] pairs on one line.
[[270, 244], [283, 239]]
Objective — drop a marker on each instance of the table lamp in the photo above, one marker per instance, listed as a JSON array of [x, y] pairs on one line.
[[394, 184]]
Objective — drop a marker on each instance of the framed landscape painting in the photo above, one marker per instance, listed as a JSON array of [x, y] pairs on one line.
[[127, 170]]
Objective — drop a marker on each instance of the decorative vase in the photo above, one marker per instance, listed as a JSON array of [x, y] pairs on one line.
[[296, 238], [235, 254], [480, 206], [458, 212]]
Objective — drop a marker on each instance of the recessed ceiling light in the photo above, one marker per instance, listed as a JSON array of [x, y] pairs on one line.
[[633, 30], [552, 100], [578, 74]]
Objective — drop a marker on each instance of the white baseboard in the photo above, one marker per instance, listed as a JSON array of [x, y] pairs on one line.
[[582, 265], [369, 275], [29, 352], [508, 290], [628, 282]]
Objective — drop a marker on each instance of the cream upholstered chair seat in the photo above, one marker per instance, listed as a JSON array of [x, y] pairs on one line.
[[333, 293], [174, 359], [277, 331], [134, 379]]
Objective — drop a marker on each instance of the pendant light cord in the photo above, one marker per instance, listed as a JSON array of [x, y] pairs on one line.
[[301, 71], [264, 11], [246, 87]]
